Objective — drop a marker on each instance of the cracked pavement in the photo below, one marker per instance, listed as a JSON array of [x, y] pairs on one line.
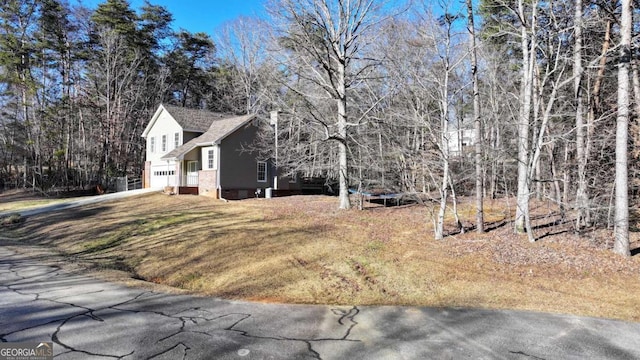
[[88, 318]]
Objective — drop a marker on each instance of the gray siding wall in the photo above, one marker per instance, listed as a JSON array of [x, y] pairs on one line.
[[193, 155], [187, 136], [238, 168]]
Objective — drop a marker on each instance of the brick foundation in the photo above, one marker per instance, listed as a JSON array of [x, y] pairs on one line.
[[207, 183]]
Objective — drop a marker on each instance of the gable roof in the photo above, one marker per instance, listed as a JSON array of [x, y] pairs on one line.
[[217, 131], [192, 120]]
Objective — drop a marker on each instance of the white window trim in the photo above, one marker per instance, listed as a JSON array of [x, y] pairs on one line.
[[176, 140], [152, 144], [164, 143], [265, 171], [211, 157]]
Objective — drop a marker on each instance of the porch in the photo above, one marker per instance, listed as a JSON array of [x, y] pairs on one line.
[[186, 178], [202, 182], [189, 180]]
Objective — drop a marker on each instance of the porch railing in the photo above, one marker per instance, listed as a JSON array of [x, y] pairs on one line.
[[190, 180]]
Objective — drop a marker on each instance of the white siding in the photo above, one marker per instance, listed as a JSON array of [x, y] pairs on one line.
[[205, 158], [164, 125]]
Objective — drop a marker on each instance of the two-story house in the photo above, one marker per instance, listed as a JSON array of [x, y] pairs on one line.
[[194, 151]]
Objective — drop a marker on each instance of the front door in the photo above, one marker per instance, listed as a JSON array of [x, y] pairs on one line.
[[192, 173]]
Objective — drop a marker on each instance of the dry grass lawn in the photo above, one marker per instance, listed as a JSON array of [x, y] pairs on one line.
[[15, 200], [303, 250]]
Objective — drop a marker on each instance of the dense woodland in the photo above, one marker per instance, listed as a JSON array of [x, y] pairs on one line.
[[368, 93]]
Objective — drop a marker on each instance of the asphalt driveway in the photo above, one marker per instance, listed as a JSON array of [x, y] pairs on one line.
[[87, 318]]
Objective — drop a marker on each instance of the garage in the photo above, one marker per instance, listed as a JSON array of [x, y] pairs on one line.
[[164, 175]]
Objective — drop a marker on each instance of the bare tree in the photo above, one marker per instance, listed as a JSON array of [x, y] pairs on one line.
[[115, 91], [621, 230], [477, 122], [424, 56], [581, 194], [528, 46], [447, 64], [324, 42], [242, 46]]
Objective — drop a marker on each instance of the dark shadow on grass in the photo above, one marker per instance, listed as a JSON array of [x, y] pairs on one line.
[[29, 230], [550, 224], [381, 205], [552, 233], [488, 227], [493, 225]]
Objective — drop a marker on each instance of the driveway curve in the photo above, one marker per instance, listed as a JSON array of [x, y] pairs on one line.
[[88, 318], [73, 203]]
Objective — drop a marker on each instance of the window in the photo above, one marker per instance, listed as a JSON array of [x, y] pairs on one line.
[[210, 159], [164, 143], [176, 140], [164, 173], [152, 144], [262, 171]]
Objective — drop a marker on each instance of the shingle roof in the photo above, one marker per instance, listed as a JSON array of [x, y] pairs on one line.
[[217, 131], [193, 119], [181, 150]]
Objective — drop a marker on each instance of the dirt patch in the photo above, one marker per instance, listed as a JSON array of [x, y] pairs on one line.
[[302, 249]]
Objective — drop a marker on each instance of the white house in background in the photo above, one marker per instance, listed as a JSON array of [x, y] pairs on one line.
[[459, 139], [201, 152]]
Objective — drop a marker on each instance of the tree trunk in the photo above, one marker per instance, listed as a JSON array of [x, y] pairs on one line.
[[634, 127], [537, 102], [522, 208], [439, 231], [621, 220], [556, 181], [636, 88], [495, 144], [566, 174], [477, 123], [582, 200], [454, 200], [342, 144], [444, 148], [597, 86]]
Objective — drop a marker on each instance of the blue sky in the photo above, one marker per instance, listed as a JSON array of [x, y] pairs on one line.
[[207, 15], [199, 16]]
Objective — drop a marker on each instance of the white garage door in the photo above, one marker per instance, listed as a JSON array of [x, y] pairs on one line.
[[162, 176]]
